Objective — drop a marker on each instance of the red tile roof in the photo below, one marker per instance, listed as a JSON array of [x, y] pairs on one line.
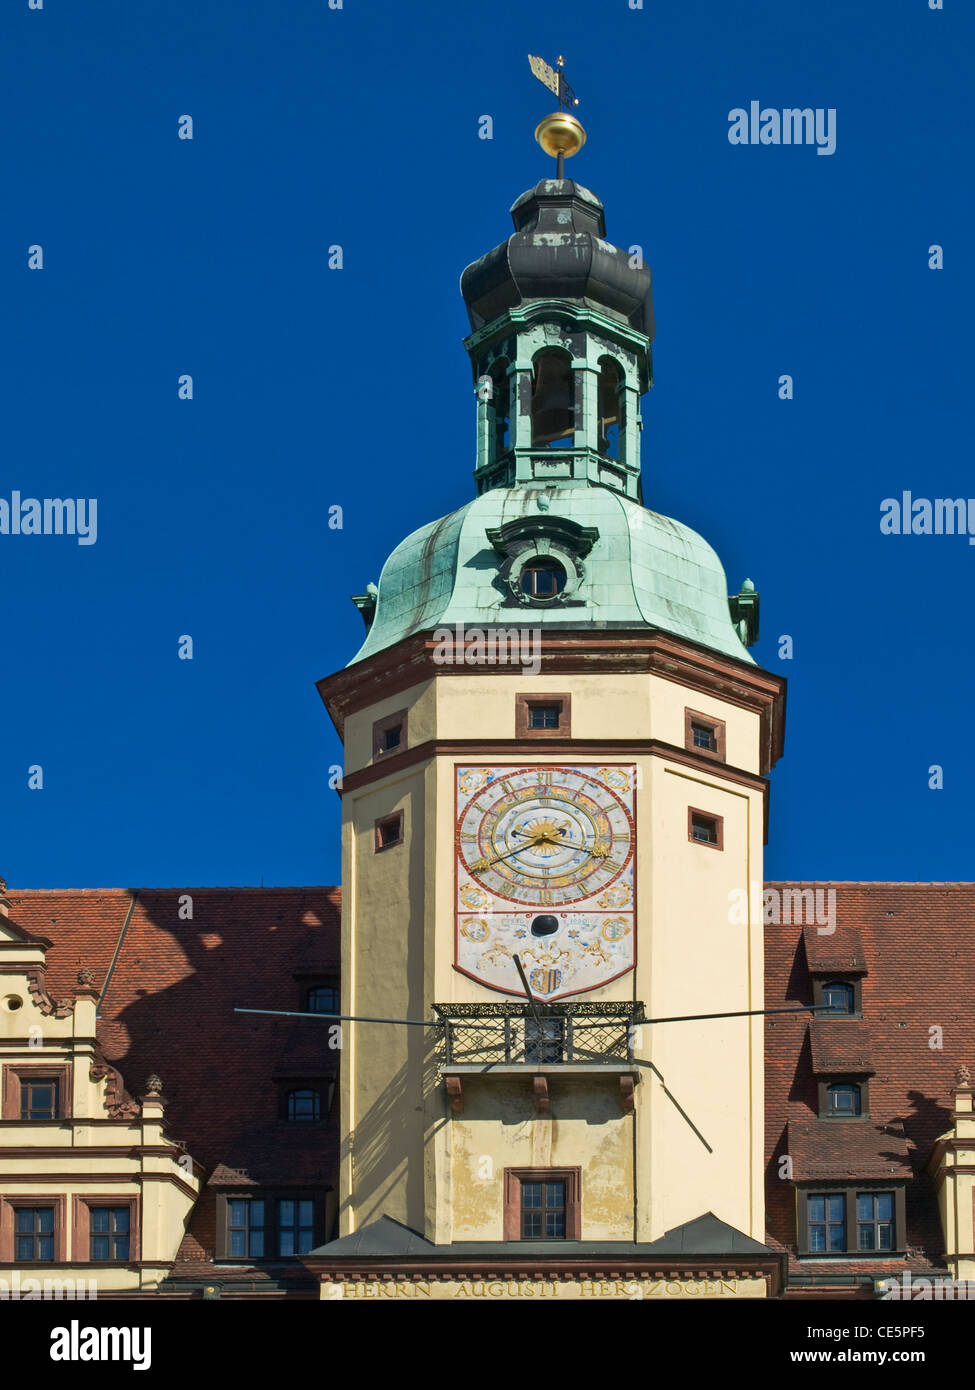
[[828, 952], [847, 1149], [172, 987], [918, 943], [840, 1045]]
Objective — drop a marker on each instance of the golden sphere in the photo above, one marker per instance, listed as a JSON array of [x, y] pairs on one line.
[[560, 133]]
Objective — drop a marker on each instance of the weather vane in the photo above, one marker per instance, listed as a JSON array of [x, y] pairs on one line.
[[560, 134]]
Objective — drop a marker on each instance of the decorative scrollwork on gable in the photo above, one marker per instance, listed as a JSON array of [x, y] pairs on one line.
[[118, 1102], [43, 1001]]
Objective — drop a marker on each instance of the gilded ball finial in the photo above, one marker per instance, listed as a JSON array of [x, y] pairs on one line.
[[560, 135]]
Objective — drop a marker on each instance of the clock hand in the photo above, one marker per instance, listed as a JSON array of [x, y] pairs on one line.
[[480, 865]]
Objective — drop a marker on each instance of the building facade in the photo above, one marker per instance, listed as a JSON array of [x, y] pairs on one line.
[[556, 1038]]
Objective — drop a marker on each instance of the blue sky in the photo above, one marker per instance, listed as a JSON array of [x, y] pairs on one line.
[[315, 387]]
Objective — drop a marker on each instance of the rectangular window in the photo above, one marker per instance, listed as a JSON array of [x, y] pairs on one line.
[[389, 831], [543, 1210], [875, 1221], [703, 733], [33, 1234], [543, 716], [278, 1224], [32, 1093], [39, 1099], [245, 1227], [827, 1221], [108, 1233], [323, 999], [542, 1204], [389, 734], [296, 1226], [705, 829]]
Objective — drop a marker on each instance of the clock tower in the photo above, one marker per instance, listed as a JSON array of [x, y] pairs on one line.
[[554, 804]]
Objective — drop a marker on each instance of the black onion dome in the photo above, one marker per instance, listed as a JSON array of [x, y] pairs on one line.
[[558, 251]]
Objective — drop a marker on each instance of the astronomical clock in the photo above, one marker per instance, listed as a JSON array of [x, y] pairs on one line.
[[545, 869]]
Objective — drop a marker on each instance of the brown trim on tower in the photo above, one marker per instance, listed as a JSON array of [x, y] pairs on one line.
[[489, 748], [514, 1177], [523, 709], [410, 662]]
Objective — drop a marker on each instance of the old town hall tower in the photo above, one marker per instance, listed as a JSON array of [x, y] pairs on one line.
[[554, 803]]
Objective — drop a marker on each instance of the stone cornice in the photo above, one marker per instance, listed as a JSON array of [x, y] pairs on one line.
[[606, 651]]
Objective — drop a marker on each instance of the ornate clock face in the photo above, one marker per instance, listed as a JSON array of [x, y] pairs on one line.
[[545, 868]]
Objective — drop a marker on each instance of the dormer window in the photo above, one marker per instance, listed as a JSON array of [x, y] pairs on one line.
[[323, 999], [543, 579], [843, 1098], [838, 997], [304, 1106]]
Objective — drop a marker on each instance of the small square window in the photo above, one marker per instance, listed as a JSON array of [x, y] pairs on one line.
[[323, 999], [843, 1099], [389, 831], [389, 734], [304, 1107], [705, 829], [703, 733], [838, 997], [543, 716]]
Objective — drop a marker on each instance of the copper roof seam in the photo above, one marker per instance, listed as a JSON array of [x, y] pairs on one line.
[[133, 899]]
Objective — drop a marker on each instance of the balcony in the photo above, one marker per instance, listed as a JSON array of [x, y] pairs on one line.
[[559, 1040]]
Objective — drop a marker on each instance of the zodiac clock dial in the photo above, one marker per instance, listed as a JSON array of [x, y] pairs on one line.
[[545, 868]]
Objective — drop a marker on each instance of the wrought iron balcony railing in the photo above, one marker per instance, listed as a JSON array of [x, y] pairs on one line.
[[562, 1034]]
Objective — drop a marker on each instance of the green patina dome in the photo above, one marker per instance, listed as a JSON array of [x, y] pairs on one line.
[[627, 566]]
